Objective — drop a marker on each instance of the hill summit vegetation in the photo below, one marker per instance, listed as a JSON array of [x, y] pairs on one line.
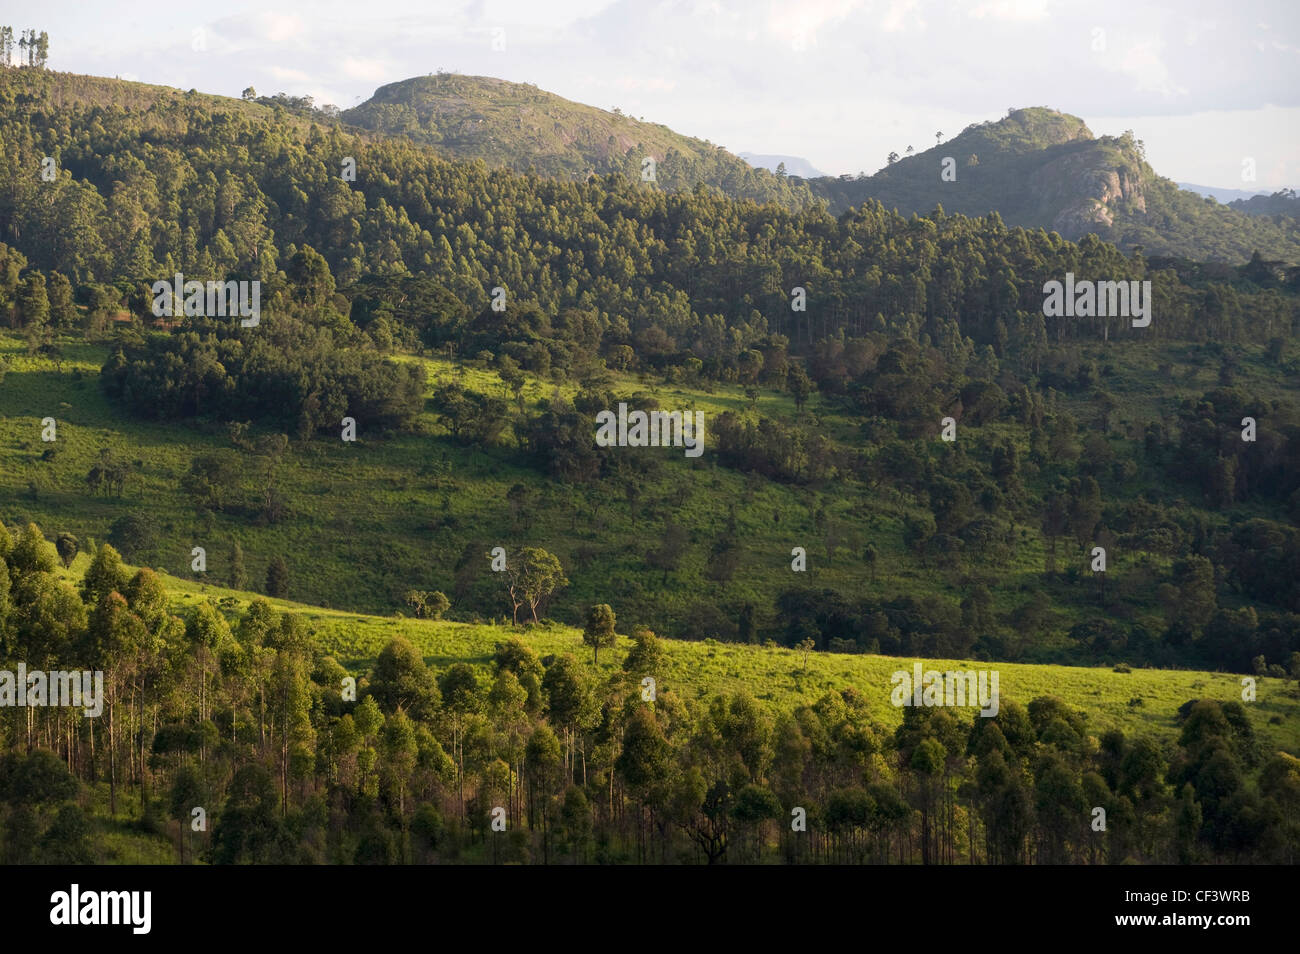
[[1043, 169], [520, 127]]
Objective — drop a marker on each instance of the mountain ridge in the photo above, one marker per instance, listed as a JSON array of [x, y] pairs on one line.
[[1035, 167]]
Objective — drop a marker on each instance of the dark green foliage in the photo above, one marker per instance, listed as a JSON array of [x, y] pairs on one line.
[[238, 573], [401, 681], [288, 377], [68, 547], [248, 830], [277, 578], [599, 631], [37, 778], [412, 770], [135, 535]]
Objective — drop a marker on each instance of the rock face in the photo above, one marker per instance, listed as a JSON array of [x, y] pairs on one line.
[[1083, 187]]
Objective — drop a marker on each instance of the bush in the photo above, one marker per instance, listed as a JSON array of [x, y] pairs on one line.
[[135, 536]]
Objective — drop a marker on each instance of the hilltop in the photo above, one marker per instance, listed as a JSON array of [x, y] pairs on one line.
[[1039, 168], [520, 127], [1284, 202]]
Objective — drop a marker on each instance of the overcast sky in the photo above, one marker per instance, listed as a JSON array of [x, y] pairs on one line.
[[841, 83]]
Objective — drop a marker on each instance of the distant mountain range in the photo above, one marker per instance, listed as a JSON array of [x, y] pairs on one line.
[[794, 165], [1223, 195]]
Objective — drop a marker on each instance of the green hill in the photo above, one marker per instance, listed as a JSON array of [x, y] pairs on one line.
[[361, 525], [520, 127], [47, 89], [1042, 169]]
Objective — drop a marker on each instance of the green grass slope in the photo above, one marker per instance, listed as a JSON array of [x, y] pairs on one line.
[[1140, 702], [367, 522]]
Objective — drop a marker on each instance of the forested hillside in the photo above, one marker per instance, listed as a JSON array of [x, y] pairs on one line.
[[1281, 203], [1043, 169], [903, 456], [1035, 167], [520, 127], [845, 343]]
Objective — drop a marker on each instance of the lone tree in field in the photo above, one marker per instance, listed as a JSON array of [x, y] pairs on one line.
[[277, 578], [415, 599], [428, 605], [600, 630], [645, 658], [436, 603], [668, 555], [68, 547], [532, 576]]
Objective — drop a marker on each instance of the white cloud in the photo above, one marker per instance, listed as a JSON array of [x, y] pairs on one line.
[[786, 21], [900, 12], [658, 84], [287, 75], [278, 28], [370, 70], [1026, 10], [1142, 61]]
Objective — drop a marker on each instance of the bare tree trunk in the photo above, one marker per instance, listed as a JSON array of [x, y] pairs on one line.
[[112, 762], [144, 769], [284, 755]]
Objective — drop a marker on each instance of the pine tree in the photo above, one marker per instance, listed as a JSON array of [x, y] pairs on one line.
[[277, 578], [238, 575]]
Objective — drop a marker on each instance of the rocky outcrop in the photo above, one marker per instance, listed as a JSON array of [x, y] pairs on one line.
[[1083, 187]]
